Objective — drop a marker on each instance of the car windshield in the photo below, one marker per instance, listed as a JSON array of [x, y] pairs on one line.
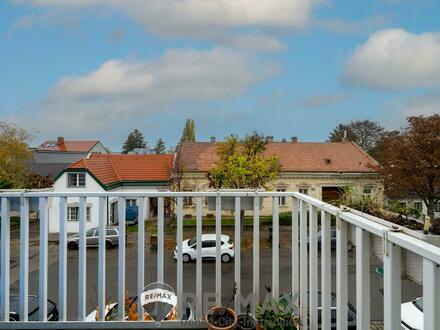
[[191, 242], [419, 304]]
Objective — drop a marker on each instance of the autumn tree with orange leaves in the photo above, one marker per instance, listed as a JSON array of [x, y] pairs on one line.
[[411, 162]]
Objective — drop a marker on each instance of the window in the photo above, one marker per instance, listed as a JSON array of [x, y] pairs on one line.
[[282, 199], [111, 232], [402, 204], [417, 206], [367, 191], [130, 202], [90, 233], [303, 191], [73, 213], [77, 180], [187, 200], [208, 244]]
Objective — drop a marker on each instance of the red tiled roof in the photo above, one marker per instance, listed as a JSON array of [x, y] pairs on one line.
[[294, 157], [72, 146], [111, 169]]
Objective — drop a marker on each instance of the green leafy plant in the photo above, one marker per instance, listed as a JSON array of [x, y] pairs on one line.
[[277, 313]]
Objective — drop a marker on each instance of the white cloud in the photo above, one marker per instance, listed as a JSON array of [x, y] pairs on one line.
[[128, 90], [177, 17], [394, 59], [426, 104], [321, 101]]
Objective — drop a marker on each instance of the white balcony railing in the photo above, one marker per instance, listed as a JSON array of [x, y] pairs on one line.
[[304, 259]]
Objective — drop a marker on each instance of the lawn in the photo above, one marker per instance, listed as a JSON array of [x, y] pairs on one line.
[[228, 221]]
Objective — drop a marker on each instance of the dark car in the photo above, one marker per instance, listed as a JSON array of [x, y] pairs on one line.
[[33, 308]]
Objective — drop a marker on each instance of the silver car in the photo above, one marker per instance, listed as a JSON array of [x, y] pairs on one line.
[[92, 238]]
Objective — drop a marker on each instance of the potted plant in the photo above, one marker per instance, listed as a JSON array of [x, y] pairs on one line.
[[220, 317], [246, 321], [277, 313]]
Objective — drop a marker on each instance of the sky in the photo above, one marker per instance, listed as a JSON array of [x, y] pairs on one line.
[[97, 69]]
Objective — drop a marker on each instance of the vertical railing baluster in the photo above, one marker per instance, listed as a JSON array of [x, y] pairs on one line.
[[160, 238], [256, 254], [24, 257], [341, 274], [199, 292], [141, 253], [5, 260], [121, 259], [42, 289], [218, 247], [431, 295], [392, 286], [82, 255], [313, 248], [237, 257], [326, 271], [303, 263], [295, 247], [275, 247], [362, 278], [62, 261], [179, 240], [101, 257]]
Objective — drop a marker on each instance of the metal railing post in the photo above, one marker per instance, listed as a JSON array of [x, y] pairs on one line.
[[24, 258], [5, 260], [237, 257], [362, 278]]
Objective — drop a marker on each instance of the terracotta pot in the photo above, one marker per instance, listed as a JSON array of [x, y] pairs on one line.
[[218, 309]]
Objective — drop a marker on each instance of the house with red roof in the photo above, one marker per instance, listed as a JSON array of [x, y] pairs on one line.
[[318, 169], [53, 156], [98, 173]]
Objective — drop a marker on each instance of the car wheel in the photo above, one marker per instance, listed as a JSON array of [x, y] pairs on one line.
[[72, 245], [226, 258], [186, 257], [108, 245]]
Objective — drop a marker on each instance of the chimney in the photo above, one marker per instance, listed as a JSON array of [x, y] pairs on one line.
[[344, 139], [212, 139], [269, 138], [60, 140], [294, 139]]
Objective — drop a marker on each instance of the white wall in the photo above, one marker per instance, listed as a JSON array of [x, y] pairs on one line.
[[99, 148], [60, 185]]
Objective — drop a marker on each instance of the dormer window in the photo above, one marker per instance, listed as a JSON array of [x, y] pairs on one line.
[[76, 180]]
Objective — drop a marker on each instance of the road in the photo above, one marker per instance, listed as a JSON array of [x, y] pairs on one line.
[[410, 290]]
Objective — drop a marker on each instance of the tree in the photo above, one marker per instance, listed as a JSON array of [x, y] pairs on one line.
[[411, 162], [365, 133], [36, 181], [134, 140], [188, 133], [242, 164], [159, 148], [14, 155]]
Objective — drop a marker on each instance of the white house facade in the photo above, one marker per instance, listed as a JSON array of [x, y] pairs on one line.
[[101, 173]]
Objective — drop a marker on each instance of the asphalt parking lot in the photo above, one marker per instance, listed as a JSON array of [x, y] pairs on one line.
[[410, 290]]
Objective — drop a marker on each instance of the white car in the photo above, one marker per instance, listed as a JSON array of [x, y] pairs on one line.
[[189, 248], [412, 314]]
